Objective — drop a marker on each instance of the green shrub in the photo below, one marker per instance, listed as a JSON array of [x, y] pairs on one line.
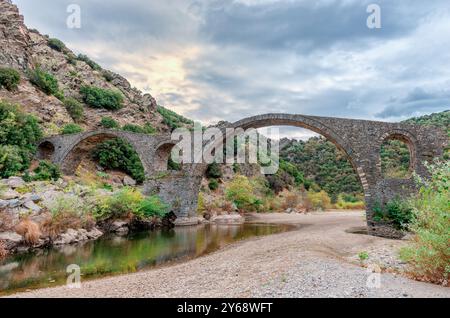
[[214, 171], [213, 184], [88, 61], [101, 98], [9, 78], [57, 45], [396, 211], [11, 161], [71, 129], [153, 206], [146, 129], [119, 205], [133, 128], [74, 108], [45, 81], [319, 200], [19, 134], [429, 253], [109, 123], [108, 76], [240, 191], [363, 256], [46, 171], [119, 154], [172, 119]]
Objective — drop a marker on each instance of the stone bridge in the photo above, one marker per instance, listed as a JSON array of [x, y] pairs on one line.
[[361, 141]]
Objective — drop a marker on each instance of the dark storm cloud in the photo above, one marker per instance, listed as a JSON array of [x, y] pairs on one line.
[[302, 25]]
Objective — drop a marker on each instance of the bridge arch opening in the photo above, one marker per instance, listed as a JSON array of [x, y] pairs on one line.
[[45, 151], [112, 152], [325, 142], [163, 159], [397, 157]]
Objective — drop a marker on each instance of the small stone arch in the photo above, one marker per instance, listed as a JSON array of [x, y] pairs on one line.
[[45, 151], [162, 155], [408, 139], [84, 144]]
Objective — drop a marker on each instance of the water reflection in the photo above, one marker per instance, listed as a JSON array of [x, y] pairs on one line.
[[122, 254]]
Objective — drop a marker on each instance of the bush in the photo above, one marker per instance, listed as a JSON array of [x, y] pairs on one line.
[[74, 108], [71, 129], [11, 161], [109, 123], [152, 206], [146, 129], [121, 204], [213, 184], [396, 211], [101, 98], [46, 171], [319, 200], [240, 191], [349, 202], [57, 45], [88, 61], [9, 78], [19, 134], [172, 119], [43, 80], [108, 76], [119, 154], [133, 128], [214, 171], [429, 253]]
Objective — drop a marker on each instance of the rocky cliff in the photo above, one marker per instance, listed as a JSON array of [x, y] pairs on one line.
[[24, 49]]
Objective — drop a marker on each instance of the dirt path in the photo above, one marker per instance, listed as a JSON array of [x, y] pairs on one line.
[[316, 261]]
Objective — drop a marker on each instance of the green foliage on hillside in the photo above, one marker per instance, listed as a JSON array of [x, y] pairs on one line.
[[109, 123], [395, 159], [45, 81], [74, 108], [319, 161], [88, 61], [19, 134], [119, 154], [57, 45], [71, 129], [172, 119], [145, 129], [45, 171], [101, 98], [441, 120], [9, 78]]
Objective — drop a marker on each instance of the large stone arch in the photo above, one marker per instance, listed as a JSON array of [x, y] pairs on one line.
[[360, 140]]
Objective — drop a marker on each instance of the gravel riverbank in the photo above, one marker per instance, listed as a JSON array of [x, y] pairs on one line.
[[318, 260]]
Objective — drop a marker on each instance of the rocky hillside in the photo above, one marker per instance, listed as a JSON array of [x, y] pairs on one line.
[[23, 50]]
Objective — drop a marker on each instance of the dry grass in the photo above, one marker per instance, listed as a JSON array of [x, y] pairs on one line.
[[30, 231], [6, 221]]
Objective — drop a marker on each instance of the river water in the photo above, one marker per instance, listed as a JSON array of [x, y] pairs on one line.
[[117, 255]]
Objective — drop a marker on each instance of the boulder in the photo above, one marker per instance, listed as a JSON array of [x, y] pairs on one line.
[[30, 205], [129, 181], [3, 204], [11, 239], [9, 194], [234, 218], [15, 182], [14, 203]]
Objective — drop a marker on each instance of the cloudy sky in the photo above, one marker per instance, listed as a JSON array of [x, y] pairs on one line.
[[217, 60]]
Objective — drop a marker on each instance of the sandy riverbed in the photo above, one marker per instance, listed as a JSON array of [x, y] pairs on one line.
[[318, 260]]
